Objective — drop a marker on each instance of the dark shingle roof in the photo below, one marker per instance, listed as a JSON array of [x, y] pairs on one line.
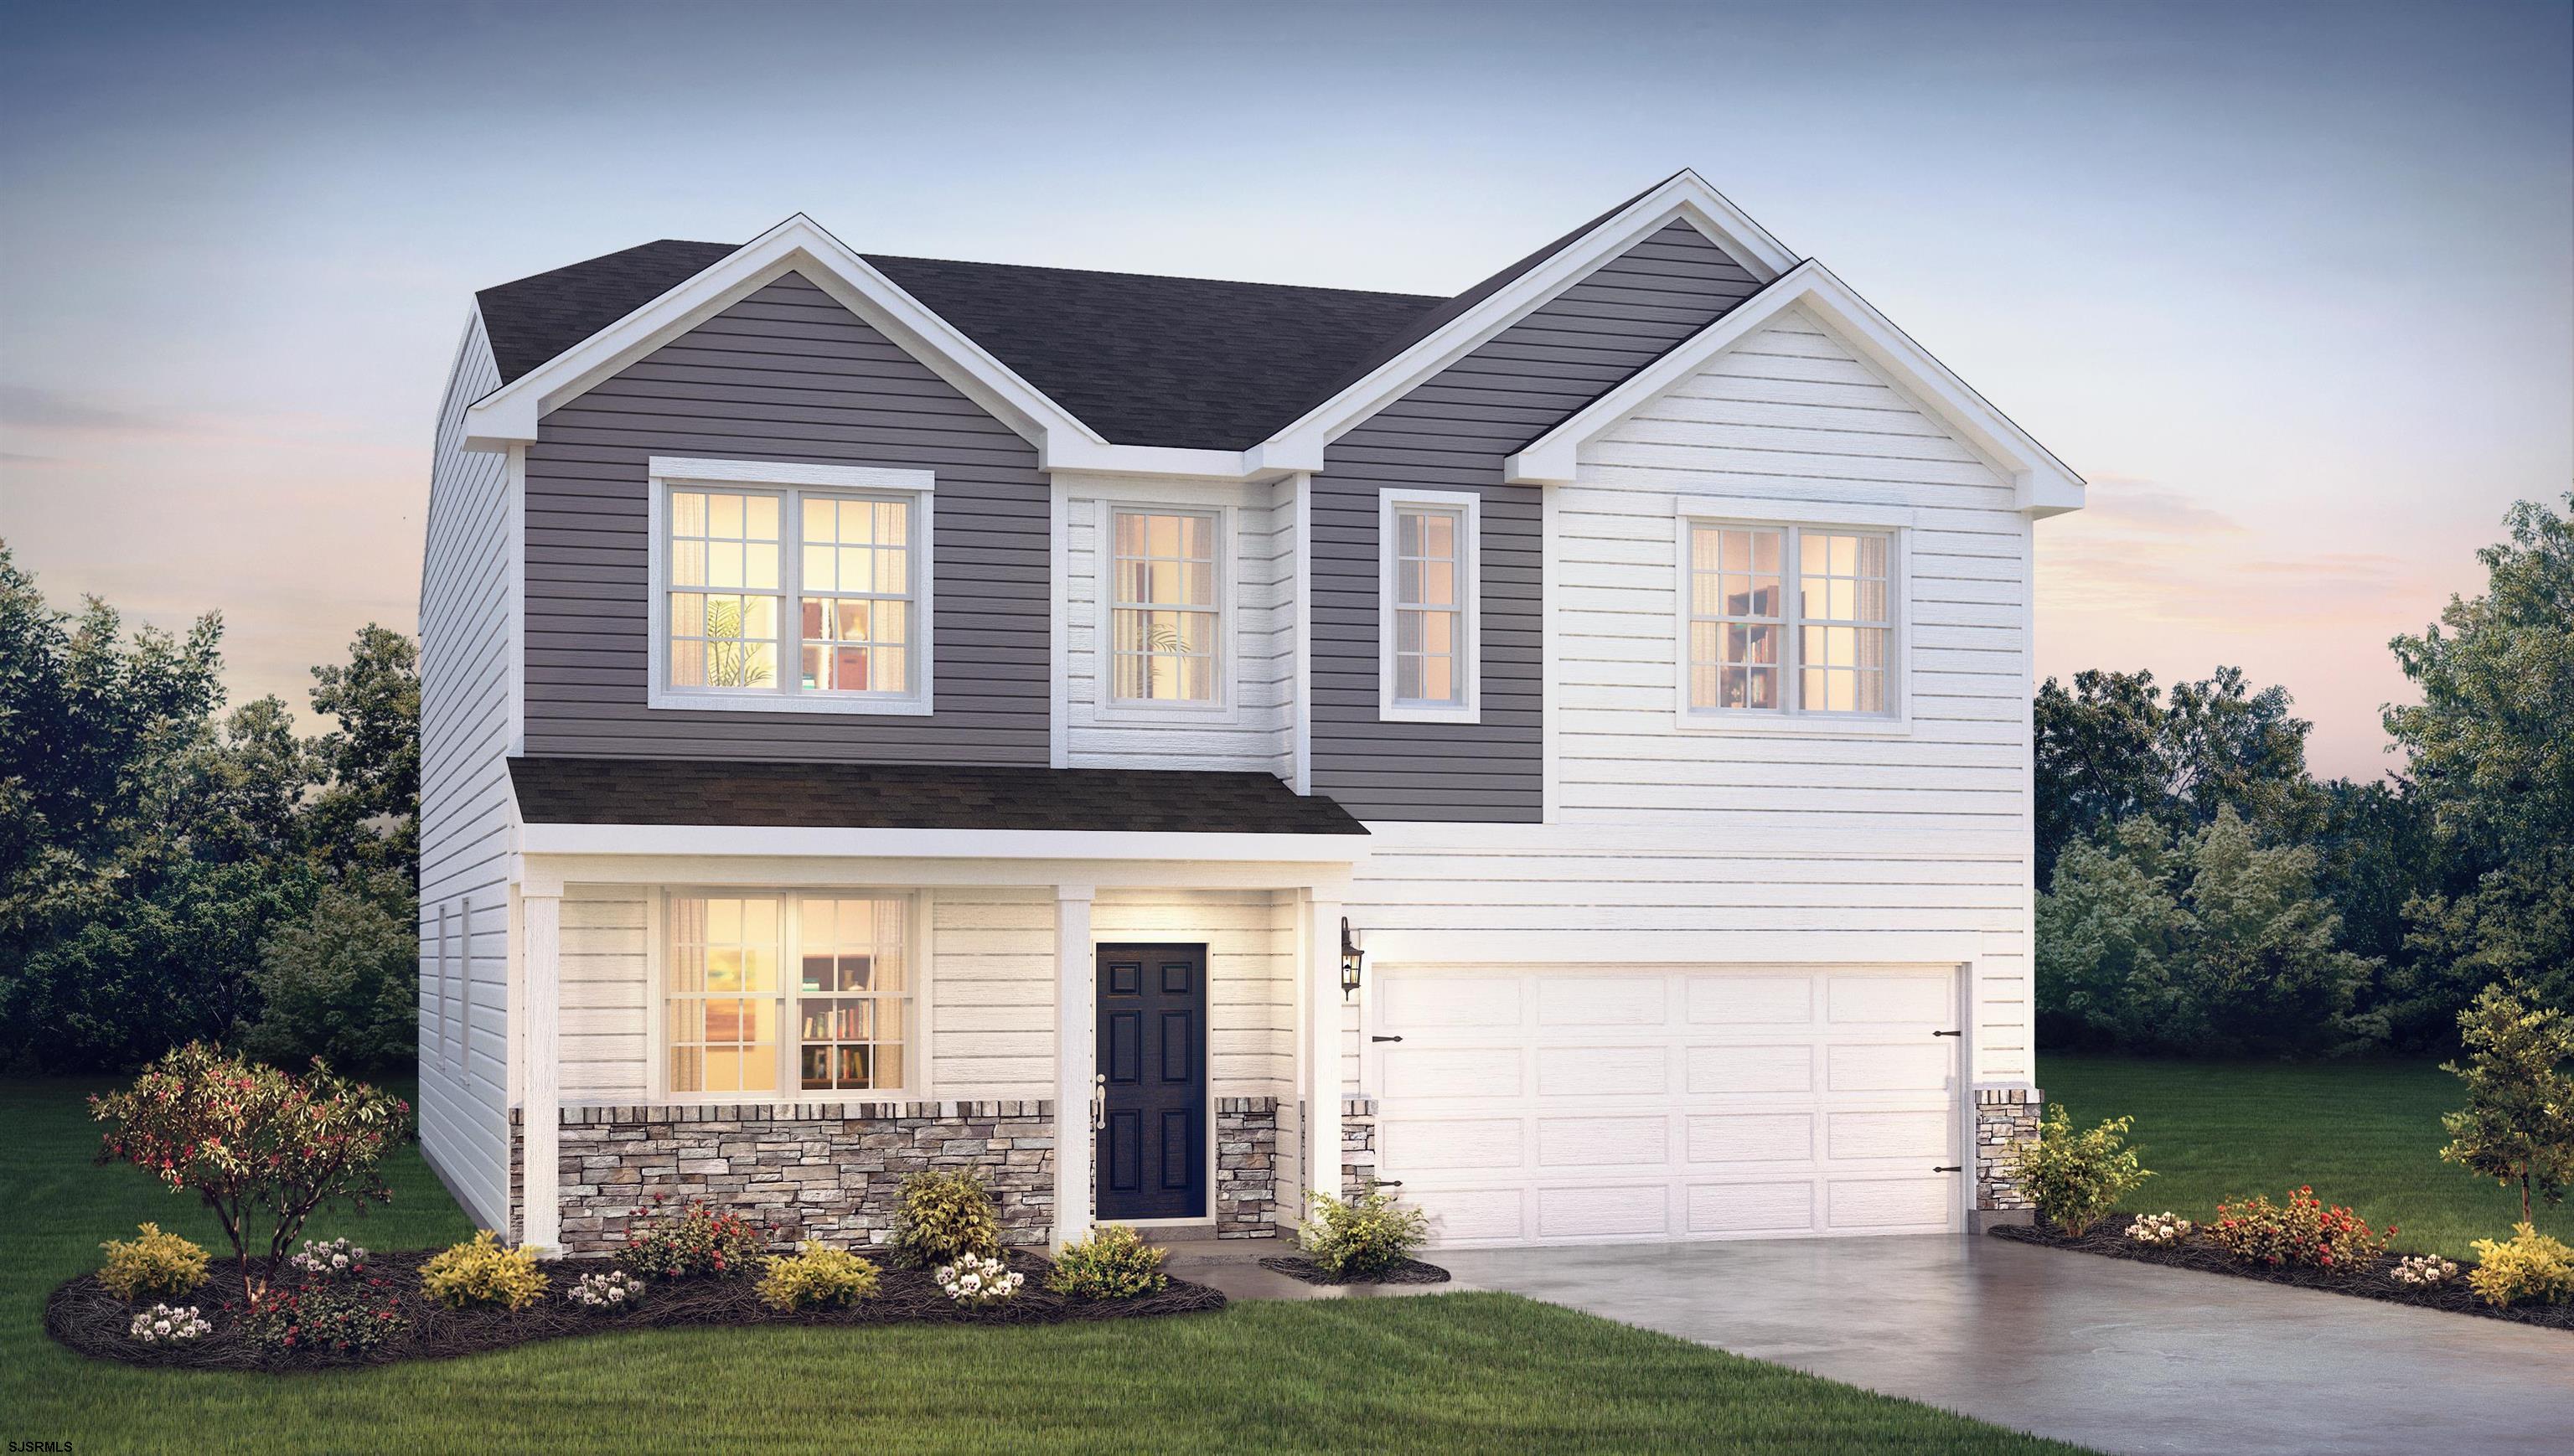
[[1193, 363], [903, 796]]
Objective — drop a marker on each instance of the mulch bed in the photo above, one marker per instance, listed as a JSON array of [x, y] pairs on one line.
[[1410, 1271], [85, 1316], [2369, 1282]]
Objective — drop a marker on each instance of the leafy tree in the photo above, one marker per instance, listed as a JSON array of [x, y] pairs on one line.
[[2226, 746], [2099, 757], [2518, 1124], [367, 817], [341, 981]]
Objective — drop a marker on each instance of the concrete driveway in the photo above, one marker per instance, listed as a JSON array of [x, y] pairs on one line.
[[2113, 1355]]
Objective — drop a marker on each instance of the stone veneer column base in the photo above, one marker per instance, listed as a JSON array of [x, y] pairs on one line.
[[1358, 1145], [796, 1171], [1246, 1167], [2005, 1118]]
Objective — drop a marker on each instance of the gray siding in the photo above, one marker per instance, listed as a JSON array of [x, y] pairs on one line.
[[786, 374], [1451, 434]]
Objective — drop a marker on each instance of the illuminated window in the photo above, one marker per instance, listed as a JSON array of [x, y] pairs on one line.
[[1163, 622], [1427, 606], [1790, 620], [748, 1017]]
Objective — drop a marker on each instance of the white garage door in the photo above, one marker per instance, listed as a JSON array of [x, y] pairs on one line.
[[1589, 1105]]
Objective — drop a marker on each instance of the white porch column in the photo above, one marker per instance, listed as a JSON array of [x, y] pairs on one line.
[[1076, 1049], [540, 1115], [1321, 1133]]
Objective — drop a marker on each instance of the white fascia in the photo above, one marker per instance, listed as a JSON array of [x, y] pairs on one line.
[[2042, 485], [728, 840]]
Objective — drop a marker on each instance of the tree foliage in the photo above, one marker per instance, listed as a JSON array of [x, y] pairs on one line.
[[2518, 1124]]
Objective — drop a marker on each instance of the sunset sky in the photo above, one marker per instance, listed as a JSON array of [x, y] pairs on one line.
[[2293, 286]]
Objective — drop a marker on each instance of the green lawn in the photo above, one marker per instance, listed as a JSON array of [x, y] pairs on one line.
[[1460, 1372], [2363, 1133]]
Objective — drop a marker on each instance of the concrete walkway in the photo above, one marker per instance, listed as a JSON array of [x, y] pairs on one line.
[[2117, 1356]]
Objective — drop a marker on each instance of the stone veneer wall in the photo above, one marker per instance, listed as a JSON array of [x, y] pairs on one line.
[[797, 1170], [1246, 1167], [1358, 1145], [2005, 1117]]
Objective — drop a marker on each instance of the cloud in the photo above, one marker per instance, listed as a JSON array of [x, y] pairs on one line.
[[29, 408], [2152, 554]]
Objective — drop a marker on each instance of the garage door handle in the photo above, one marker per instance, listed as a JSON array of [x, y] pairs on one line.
[[1948, 1033], [1385, 1038], [1949, 1168]]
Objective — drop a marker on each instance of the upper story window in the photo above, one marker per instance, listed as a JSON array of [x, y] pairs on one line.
[[790, 587], [1428, 657], [1164, 625], [788, 994], [1790, 620]]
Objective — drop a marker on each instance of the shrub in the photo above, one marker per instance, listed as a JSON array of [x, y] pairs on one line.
[[2159, 1229], [482, 1271], [613, 1290], [946, 1215], [338, 1259], [1363, 1237], [2531, 1268], [2300, 1231], [163, 1326], [975, 1281], [1113, 1263], [2518, 1124], [698, 1241], [329, 1319], [262, 1148], [2422, 1271], [2077, 1177], [152, 1262], [817, 1277]]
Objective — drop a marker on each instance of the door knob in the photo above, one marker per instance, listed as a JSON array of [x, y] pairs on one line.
[[1098, 1102]]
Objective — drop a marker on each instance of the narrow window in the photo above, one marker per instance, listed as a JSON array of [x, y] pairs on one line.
[[1163, 619], [1737, 624], [1790, 620], [725, 594], [739, 1021], [856, 596], [1844, 627], [1429, 606]]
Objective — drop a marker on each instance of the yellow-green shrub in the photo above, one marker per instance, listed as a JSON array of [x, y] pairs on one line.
[[152, 1262], [1113, 1263], [484, 1272], [817, 1276], [1365, 1236], [2531, 1268], [945, 1215]]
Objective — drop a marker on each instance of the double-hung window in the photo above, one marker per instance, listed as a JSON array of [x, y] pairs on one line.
[[1426, 601], [1165, 628], [795, 588], [788, 994], [1790, 620]]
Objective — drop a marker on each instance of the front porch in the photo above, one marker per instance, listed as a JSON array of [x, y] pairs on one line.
[[643, 1069]]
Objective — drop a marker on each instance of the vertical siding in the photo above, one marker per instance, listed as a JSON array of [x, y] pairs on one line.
[[1451, 434], [787, 373], [465, 803], [1258, 581]]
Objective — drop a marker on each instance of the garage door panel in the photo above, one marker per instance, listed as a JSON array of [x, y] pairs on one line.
[[1925, 1134], [1607, 1000], [1582, 1142], [1478, 1215], [1910, 1066], [1751, 1137], [1453, 1144], [1751, 1000], [1603, 1071], [1428, 1003], [1852, 1000], [1633, 1211], [1886, 1204], [1717, 1070], [1452, 1072], [1749, 1209]]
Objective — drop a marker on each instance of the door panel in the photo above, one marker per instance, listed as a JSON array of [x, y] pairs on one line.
[[1152, 1051]]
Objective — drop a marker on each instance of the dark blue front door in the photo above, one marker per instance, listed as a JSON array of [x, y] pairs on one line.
[[1152, 1050]]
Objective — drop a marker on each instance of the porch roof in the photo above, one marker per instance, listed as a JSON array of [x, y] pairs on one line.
[[672, 791]]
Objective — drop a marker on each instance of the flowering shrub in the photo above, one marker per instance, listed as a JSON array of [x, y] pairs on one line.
[[613, 1290], [975, 1281], [1365, 1236], [481, 1272], [2076, 1178], [2422, 1271], [352, 1318], [946, 1215], [1113, 1263], [2300, 1231], [335, 1259], [152, 1262], [697, 1241], [163, 1326], [2531, 1268], [259, 1148], [817, 1277], [2158, 1229]]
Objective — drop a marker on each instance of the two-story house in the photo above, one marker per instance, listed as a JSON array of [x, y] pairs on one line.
[[1175, 743]]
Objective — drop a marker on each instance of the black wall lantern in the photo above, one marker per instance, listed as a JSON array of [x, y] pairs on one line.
[[1349, 960]]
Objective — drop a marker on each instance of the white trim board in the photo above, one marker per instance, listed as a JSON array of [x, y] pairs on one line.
[[2042, 484], [725, 840]]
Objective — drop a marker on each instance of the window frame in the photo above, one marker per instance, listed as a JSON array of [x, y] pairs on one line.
[[1467, 507], [1106, 705], [1895, 525], [918, 952], [792, 482]]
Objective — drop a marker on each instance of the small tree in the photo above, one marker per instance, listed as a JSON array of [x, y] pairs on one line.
[[2518, 1124], [263, 1149]]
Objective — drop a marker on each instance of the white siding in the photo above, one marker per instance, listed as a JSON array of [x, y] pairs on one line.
[[1670, 844], [1251, 975], [1254, 729], [465, 808]]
